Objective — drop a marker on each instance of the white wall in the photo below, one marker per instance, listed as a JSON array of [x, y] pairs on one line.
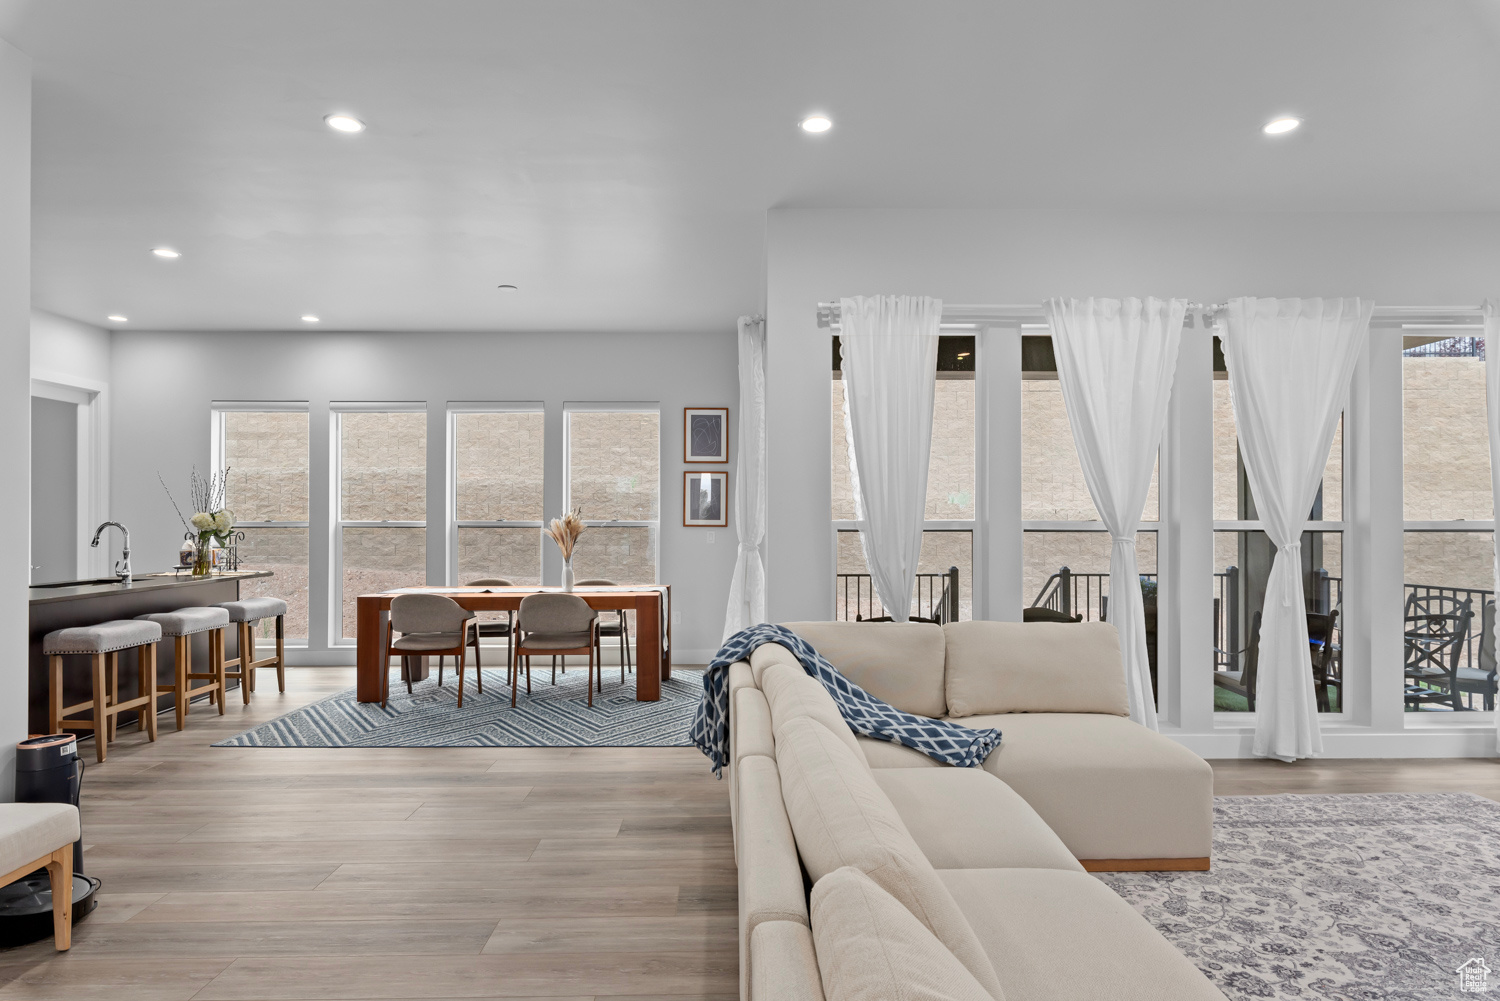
[[1018, 258], [163, 384], [15, 400], [64, 350]]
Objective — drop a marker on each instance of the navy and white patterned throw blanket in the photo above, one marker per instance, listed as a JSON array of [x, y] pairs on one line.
[[947, 742]]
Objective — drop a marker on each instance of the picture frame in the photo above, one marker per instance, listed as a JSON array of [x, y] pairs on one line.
[[705, 498], [705, 434]]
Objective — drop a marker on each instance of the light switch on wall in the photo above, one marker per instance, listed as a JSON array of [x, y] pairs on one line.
[[710, 538]]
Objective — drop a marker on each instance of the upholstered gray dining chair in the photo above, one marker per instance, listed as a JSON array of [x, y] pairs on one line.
[[607, 630], [557, 624], [429, 624]]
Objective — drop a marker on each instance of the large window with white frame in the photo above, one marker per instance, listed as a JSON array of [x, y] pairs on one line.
[[1066, 548], [1449, 538], [265, 447], [612, 472], [380, 504], [1243, 554], [498, 477], [945, 570]]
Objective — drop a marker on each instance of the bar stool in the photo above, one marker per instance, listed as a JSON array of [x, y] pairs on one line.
[[245, 614], [182, 625], [103, 644]]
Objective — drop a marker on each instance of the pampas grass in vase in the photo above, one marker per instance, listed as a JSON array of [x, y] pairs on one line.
[[565, 532]]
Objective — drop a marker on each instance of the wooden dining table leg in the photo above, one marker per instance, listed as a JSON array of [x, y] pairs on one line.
[[648, 652], [368, 643]]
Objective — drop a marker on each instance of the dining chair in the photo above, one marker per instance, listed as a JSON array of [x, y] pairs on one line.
[[608, 630], [489, 627], [1436, 630], [557, 624], [1481, 680], [429, 624], [1320, 627]]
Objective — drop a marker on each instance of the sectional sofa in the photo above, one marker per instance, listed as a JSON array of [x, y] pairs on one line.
[[868, 870]]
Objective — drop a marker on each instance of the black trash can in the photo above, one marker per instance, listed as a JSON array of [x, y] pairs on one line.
[[48, 770]]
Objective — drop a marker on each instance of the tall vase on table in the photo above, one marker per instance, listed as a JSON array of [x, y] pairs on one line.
[[565, 532]]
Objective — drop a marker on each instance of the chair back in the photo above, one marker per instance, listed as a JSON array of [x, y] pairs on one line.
[[598, 582], [1320, 631], [554, 613], [490, 582], [427, 613], [1437, 626]]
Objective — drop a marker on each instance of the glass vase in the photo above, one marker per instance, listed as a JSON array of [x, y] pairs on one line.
[[203, 555]]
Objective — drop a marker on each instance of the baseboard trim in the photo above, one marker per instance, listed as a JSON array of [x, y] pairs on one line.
[[1144, 864]]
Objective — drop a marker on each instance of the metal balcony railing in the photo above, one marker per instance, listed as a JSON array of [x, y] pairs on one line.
[[935, 597]]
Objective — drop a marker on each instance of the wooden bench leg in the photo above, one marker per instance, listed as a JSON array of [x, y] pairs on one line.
[[112, 662], [147, 686], [55, 693], [182, 660], [216, 645], [60, 875], [247, 657], [281, 653], [101, 708]]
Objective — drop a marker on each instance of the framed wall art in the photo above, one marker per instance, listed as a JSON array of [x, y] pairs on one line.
[[705, 499], [705, 434]]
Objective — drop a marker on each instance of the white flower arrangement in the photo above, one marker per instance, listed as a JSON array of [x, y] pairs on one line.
[[211, 519]]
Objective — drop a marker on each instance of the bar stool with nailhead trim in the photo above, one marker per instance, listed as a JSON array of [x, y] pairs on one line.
[[103, 644], [245, 614], [182, 625]]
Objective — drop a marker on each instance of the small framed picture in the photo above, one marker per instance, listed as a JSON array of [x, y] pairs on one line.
[[705, 434], [705, 499]]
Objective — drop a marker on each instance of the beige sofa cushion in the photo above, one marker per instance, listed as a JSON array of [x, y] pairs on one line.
[[841, 817], [884, 754], [900, 662], [782, 964], [1110, 788], [870, 948], [1064, 936], [29, 831], [771, 887], [965, 818], [1034, 667], [767, 654], [791, 692]]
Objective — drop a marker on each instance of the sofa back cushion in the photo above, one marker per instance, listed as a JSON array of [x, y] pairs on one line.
[[900, 662], [841, 817], [867, 944], [791, 692], [1034, 667]]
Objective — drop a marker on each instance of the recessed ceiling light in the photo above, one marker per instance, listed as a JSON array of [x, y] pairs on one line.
[[1277, 126], [117, 318], [165, 252], [817, 123], [345, 123], [309, 318]]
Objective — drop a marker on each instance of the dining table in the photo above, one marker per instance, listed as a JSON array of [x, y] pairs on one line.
[[651, 603]]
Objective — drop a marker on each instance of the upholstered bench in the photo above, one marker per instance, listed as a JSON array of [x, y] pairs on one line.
[[103, 643], [245, 614], [181, 625], [38, 835]]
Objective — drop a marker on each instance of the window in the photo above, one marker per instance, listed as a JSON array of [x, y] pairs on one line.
[[1066, 550], [381, 527], [497, 493], [946, 565], [266, 451], [614, 476], [1243, 554], [1449, 514]]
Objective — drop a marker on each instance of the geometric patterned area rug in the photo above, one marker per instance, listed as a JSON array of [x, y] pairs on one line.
[[1393, 896], [552, 716]]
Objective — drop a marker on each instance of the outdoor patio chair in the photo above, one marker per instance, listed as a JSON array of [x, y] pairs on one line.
[[1481, 680], [1436, 629]]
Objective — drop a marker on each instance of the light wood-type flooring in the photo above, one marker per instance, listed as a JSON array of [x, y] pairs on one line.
[[251, 874]]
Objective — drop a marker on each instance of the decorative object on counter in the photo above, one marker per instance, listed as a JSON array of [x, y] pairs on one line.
[[565, 532], [211, 520], [705, 434], [705, 499]]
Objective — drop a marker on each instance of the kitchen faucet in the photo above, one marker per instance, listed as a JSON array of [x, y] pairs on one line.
[[122, 565]]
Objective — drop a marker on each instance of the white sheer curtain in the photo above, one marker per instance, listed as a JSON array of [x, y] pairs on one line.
[[889, 361], [1492, 397], [747, 588], [1115, 361], [1289, 361]]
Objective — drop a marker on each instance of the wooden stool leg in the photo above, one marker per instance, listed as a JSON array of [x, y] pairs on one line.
[[182, 659], [101, 728], [249, 644], [55, 693], [147, 686], [247, 674], [281, 653], [112, 664], [60, 875], [216, 646]]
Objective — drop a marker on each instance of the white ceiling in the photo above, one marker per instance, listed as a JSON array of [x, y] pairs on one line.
[[615, 159]]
